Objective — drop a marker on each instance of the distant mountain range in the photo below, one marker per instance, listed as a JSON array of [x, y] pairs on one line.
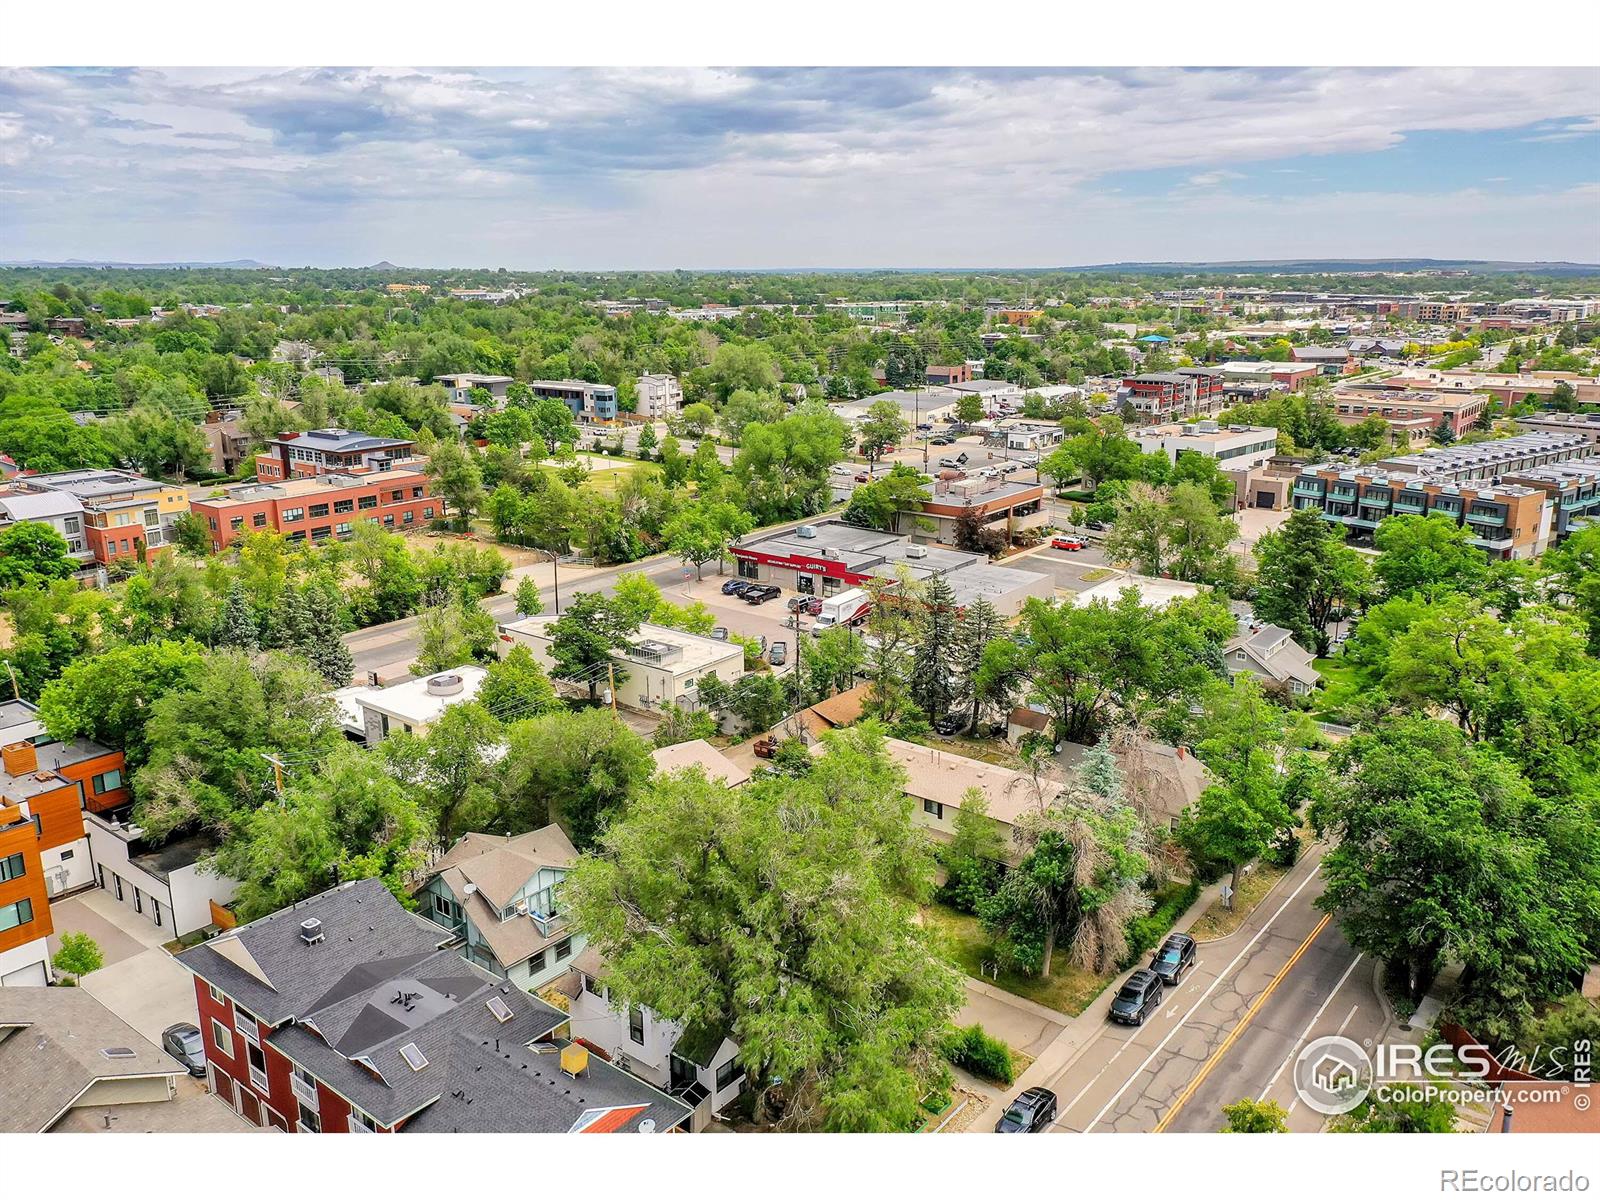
[[1336, 266], [237, 264]]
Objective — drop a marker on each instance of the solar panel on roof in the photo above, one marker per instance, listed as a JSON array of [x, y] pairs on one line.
[[415, 1058]]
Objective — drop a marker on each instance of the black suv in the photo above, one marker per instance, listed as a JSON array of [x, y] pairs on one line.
[[1174, 958], [950, 724], [1030, 1112], [1140, 996]]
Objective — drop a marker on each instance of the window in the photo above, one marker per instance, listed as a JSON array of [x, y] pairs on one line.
[[636, 1024], [117, 879], [427, 513], [933, 808], [320, 533], [107, 781], [397, 495], [408, 516], [72, 525], [309, 1120], [344, 506], [291, 514], [258, 1064], [259, 520], [563, 949], [221, 1038], [537, 962], [591, 985], [388, 520], [357, 1117], [12, 867], [416, 493], [342, 529], [216, 996], [138, 900], [12, 915], [729, 1073], [319, 510], [65, 855], [368, 502], [157, 910], [235, 523]]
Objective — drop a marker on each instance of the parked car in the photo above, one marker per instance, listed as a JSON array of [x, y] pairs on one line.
[[1066, 543], [719, 632], [182, 1041], [950, 724], [1175, 956], [1140, 996], [735, 587], [766, 747], [810, 605], [1009, 468], [950, 462], [839, 469], [779, 653], [1031, 1112], [944, 439], [863, 477], [760, 593]]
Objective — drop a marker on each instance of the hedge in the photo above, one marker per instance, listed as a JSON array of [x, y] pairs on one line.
[[1144, 932], [973, 1050]]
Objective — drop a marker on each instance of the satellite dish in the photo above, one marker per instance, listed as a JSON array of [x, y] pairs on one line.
[[470, 889]]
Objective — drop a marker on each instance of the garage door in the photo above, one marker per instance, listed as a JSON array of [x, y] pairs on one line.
[[32, 975], [1264, 499]]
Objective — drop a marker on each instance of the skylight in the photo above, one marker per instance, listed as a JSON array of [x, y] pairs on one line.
[[415, 1058], [500, 1009]]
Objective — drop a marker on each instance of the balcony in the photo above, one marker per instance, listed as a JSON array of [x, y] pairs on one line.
[[355, 1125], [305, 1092], [1309, 491]]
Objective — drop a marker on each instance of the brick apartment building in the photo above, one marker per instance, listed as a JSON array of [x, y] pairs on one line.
[[1168, 395], [1410, 412], [319, 508], [947, 374], [124, 515], [298, 455], [347, 1014]]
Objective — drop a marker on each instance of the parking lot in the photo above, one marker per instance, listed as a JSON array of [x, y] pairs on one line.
[[769, 620]]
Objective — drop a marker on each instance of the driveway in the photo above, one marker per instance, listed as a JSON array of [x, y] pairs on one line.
[[141, 982]]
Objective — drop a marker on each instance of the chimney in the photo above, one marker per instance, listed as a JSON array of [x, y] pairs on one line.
[[20, 758]]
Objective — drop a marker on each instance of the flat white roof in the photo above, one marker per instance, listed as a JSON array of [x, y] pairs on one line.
[[1153, 593], [696, 652], [414, 704]]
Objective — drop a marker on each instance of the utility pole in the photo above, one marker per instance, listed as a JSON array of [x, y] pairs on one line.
[[277, 773], [611, 684]]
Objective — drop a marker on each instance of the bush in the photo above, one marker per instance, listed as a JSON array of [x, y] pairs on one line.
[[1285, 848], [1144, 932], [973, 1050]]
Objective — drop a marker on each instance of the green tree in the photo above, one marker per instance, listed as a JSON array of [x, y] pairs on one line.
[[877, 504], [683, 725], [978, 625], [932, 688], [324, 642], [516, 687], [735, 367], [577, 769], [969, 408], [882, 427], [1427, 555], [1305, 574], [453, 635], [745, 408], [457, 479], [451, 770], [109, 697], [759, 700], [697, 418], [1255, 1116], [238, 629], [31, 552], [78, 956], [529, 601], [584, 638], [691, 859], [189, 535], [974, 858], [1398, 1110]]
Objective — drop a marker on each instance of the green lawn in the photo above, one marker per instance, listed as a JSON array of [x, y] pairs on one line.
[[1068, 989], [1339, 688]]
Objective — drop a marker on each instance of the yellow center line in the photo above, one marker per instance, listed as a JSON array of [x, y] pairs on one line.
[[1249, 1016]]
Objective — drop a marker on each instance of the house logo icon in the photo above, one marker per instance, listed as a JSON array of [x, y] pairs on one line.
[[1332, 1075]]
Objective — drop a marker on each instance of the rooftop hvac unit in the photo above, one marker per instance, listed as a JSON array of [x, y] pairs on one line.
[[311, 931], [806, 531], [445, 685], [916, 552]]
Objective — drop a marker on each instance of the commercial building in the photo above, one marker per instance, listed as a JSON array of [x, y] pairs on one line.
[[298, 455], [319, 508], [830, 556], [1235, 447], [62, 511], [948, 374], [1505, 521], [1329, 360], [1573, 487], [1291, 377], [998, 395], [346, 1013], [1585, 425], [1412, 413], [124, 515], [588, 401], [994, 503], [463, 385], [500, 899], [658, 396], [659, 666], [917, 405]]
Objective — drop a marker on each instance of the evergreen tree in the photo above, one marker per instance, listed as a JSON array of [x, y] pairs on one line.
[[323, 644], [238, 630], [287, 622], [1101, 774], [932, 687], [979, 624]]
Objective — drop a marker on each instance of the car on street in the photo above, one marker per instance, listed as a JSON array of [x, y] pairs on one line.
[[1140, 996], [1175, 956], [1031, 1112], [944, 439], [182, 1041], [760, 593], [810, 605], [950, 724], [950, 462], [840, 469], [1066, 543], [863, 477], [735, 587], [779, 653], [1009, 468]]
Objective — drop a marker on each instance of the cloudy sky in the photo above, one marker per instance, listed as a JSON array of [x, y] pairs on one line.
[[845, 167]]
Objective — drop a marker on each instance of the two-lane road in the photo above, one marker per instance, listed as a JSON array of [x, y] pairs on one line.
[[1227, 1030]]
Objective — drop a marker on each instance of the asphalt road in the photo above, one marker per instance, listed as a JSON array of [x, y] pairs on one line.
[[1229, 1028]]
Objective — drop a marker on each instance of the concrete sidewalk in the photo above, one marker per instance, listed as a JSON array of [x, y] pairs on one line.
[[1018, 1022]]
